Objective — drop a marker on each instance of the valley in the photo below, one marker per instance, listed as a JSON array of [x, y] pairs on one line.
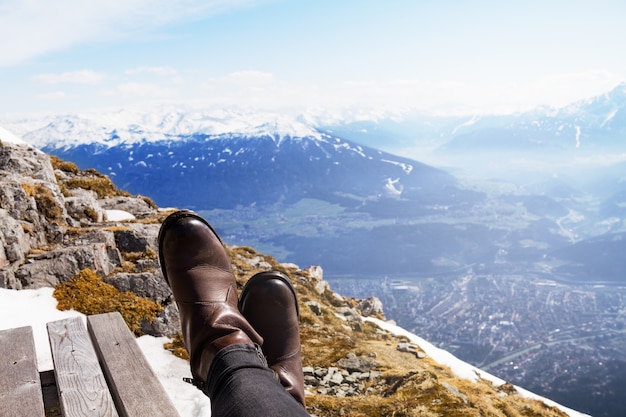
[[480, 281], [561, 339]]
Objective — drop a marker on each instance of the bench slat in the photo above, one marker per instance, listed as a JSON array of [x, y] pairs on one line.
[[132, 381], [83, 391], [20, 386]]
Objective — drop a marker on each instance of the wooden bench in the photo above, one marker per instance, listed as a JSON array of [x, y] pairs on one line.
[[99, 370]]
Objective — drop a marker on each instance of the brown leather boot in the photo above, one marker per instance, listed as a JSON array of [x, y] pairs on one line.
[[268, 301], [198, 270]]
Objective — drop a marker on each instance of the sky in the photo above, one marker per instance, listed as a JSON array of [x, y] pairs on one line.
[[439, 57]]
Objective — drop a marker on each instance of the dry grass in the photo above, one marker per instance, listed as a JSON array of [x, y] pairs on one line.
[[177, 347], [135, 256], [58, 163], [87, 293], [45, 201], [102, 186]]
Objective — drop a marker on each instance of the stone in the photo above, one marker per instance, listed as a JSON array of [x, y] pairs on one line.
[[336, 379], [14, 243], [8, 280], [371, 306], [321, 287], [348, 314], [315, 307], [56, 266], [137, 206], [407, 347], [83, 206], [137, 238], [316, 272], [26, 161], [455, 391], [166, 324], [352, 363], [145, 284]]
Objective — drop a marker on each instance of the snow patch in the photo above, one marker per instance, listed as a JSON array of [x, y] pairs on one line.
[[8, 137], [392, 188], [609, 117], [119, 215], [407, 168]]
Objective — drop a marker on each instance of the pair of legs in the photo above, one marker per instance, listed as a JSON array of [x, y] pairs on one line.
[[244, 352]]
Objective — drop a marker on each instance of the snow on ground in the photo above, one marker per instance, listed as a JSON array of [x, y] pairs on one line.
[[35, 308], [119, 215], [6, 136]]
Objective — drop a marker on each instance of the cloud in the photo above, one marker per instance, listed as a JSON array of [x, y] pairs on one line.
[[160, 71], [56, 95], [249, 77], [141, 90], [397, 96], [36, 27], [74, 77]]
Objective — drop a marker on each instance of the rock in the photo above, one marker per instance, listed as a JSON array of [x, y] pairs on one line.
[[166, 324], [348, 314], [454, 390], [22, 208], [315, 307], [321, 287], [14, 243], [258, 262], [315, 272], [137, 206], [83, 206], [8, 280], [56, 266], [371, 306], [406, 347], [352, 363], [145, 284], [26, 161], [411, 348], [336, 379], [336, 382], [137, 238]]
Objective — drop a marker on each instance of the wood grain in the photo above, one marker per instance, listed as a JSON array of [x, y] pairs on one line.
[[83, 391], [20, 386], [134, 385]]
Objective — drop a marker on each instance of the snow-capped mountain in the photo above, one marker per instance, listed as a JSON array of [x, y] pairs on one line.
[[589, 126], [224, 159], [125, 127]]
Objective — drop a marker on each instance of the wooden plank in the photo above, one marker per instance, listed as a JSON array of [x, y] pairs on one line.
[[83, 391], [134, 385], [20, 386]]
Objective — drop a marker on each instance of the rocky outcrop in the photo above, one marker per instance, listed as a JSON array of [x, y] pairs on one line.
[[53, 224]]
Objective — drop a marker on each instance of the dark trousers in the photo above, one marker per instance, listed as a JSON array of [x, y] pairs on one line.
[[241, 385]]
